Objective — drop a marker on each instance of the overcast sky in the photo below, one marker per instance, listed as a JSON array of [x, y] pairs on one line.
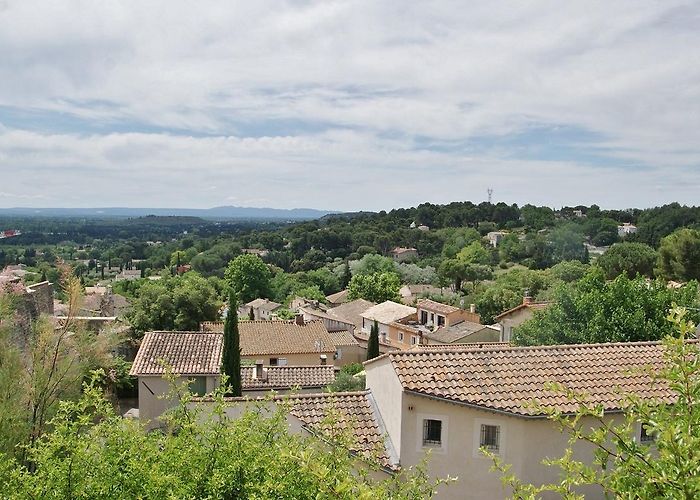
[[348, 105]]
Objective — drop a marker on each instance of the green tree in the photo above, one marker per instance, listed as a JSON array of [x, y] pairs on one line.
[[174, 303], [346, 276], [628, 258], [371, 264], [595, 310], [567, 244], [249, 277], [377, 287], [231, 356], [537, 217], [94, 453], [373, 341], [679, 255], [454, 271], [475, 253], [622, 467]]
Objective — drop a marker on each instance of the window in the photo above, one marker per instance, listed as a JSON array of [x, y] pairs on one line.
[[441, 320], [645, 435], [414, 340], [490, 437], [423, 317], [400, 336], [282, 362], [432, 432], [273, 361], [198, 386]]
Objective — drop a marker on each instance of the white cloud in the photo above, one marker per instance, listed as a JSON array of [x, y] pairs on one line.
[[295, 97]]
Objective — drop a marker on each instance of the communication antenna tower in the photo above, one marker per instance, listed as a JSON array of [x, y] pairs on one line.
[[490, 192]]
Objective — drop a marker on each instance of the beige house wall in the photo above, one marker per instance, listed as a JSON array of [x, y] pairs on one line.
[[308, 359], [513, 320], [394, 331], [152, 400], [524, 443], [388, 396], [348, 354]]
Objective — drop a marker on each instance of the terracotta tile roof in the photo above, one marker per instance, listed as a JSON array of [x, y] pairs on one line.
[[284, 337], [457, 347], [351, 312], [287, 377], [388, 312], [532, 305], [453, 333], [339, 297], [186, 353], [439, 307], [353, 410], [264, 304], [211, 326], [278, 337], [509, 379], [343, 338]]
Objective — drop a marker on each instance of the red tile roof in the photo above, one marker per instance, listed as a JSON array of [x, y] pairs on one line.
[[186, 353], [509, 379], [287, 377]]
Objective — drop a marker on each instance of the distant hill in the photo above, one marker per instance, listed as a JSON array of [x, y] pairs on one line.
[[228, 212]]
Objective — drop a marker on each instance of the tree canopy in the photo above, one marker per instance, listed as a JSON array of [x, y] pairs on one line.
[[376, 287], [249, 277], [679, 255], [595, 310]]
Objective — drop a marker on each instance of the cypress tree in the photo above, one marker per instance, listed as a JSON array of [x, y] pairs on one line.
[[373, 342], [231, 358], [346, 276]]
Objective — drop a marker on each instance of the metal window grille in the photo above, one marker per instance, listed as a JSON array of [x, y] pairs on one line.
[[490, 437], [432, 432]]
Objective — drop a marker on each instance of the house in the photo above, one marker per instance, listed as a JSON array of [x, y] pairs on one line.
[[401, 254], [385, 314], [454, 401], [191, 356], [282, 343], [423, 227], [410, 293], [495, 237], [195, 358], [263, 309], [436, 314], [626, 229], [512, 318], [128, 274], [464, 332], [338, 298]]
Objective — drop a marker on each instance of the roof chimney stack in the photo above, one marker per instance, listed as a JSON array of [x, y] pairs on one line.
[[299, 319], [472, 308], [324, 359], [527, 299], [259, 369]]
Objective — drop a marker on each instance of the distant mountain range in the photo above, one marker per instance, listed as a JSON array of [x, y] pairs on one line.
[[227, 212]]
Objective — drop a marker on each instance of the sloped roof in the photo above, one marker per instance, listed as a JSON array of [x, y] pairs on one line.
[[530, 305], [343, 338], [284, 337], [351, 312], [285, 377], [186, 353], [453, 333], [388, 312], [338, 297], [509, 379], [439, 307], [264, 304], [327, 413]]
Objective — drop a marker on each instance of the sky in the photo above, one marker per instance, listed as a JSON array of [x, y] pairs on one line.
[[348, 105]]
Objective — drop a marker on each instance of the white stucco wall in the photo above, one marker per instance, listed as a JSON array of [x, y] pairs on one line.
[[388, 396]]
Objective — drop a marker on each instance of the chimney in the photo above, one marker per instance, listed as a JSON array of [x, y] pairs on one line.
[[527, 299], [324, 359], [472, 308], [299, 319], [258, 369]]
